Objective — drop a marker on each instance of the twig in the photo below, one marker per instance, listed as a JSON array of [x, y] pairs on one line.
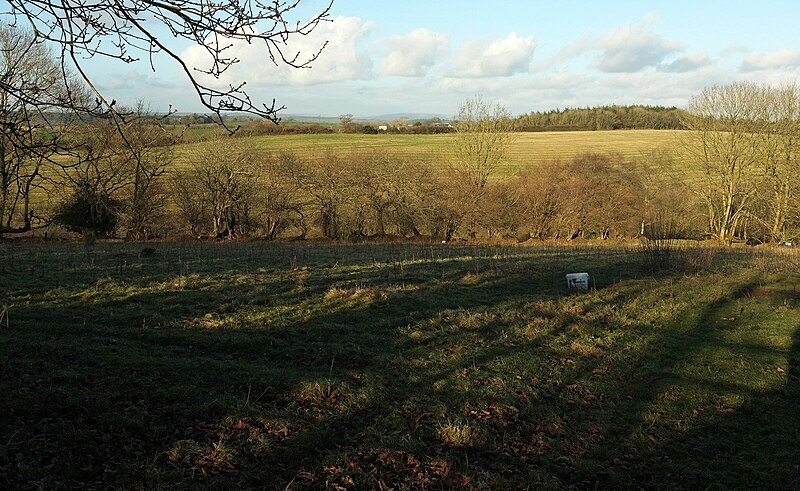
[[12, 436]]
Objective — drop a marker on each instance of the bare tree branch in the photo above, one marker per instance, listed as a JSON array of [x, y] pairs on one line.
[[128, 30]]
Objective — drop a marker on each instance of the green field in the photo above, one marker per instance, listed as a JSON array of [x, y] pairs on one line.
[[528, 149], [396, 366]]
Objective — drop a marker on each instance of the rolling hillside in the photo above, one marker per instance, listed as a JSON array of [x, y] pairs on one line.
[[527, 149]]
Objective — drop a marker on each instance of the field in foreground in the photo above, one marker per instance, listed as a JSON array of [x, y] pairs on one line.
[[313, 366]]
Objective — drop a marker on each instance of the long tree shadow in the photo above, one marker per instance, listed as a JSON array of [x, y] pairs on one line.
[[363, 327], [745, 433], [114, 379], [400, 358]]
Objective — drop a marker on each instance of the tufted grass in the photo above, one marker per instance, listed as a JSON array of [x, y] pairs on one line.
[[357, 366]]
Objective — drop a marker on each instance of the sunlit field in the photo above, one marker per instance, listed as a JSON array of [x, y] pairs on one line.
[[527, 149]]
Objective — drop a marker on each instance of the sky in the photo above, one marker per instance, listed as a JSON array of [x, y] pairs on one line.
[[415, 56]]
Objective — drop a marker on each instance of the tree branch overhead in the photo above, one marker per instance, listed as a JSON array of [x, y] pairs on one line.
[[128, 30]]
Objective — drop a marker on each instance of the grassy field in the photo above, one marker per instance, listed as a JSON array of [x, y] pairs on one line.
[[336, 366], [528, 149]]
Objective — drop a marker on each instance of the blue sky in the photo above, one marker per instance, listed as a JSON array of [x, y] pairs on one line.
[[428, 56]]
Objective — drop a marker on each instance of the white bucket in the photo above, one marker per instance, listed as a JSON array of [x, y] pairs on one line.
[[578, 281]]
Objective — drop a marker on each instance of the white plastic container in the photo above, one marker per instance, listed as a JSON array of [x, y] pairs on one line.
[[578, 281]]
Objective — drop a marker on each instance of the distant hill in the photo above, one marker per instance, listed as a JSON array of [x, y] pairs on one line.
[[409, 116], [309, 118], [315, 118]]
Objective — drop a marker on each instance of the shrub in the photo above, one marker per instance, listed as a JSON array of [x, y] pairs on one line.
[[89, 210]]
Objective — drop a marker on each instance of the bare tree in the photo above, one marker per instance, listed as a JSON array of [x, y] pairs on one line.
[[726, 125], [329, 184], [224, 180], [187, 195], [148, 152], [664, 196], [128, 30], [483, 134], [95, 183], [388, 184], [540, 199], [28, 137], [346, 123], [780, 141], [280, 192], [119, 162], [610, 189], [500, 213]]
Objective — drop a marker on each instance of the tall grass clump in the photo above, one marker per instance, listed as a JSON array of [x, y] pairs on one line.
[[663, 248], [776, 260], [660, 247]]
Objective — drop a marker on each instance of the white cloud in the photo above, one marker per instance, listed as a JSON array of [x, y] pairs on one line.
[[686, 63], [340, 60], [633, 47], [766, 60], [497, 58], [413, 55]]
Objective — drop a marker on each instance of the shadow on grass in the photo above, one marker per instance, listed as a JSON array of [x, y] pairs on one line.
[[740, 434], [389, 366]]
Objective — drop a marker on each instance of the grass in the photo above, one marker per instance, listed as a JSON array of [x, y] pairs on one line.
[[309, 366], [528, 149]]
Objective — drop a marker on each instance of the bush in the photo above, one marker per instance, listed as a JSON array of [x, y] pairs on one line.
[[89, 210]]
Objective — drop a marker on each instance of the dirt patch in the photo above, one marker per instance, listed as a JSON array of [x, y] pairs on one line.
[[761, 292]]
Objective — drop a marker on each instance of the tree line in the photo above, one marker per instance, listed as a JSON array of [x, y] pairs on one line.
[[571, 119], [603, 118], [236, 191], [734, 177], [577, 119]]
